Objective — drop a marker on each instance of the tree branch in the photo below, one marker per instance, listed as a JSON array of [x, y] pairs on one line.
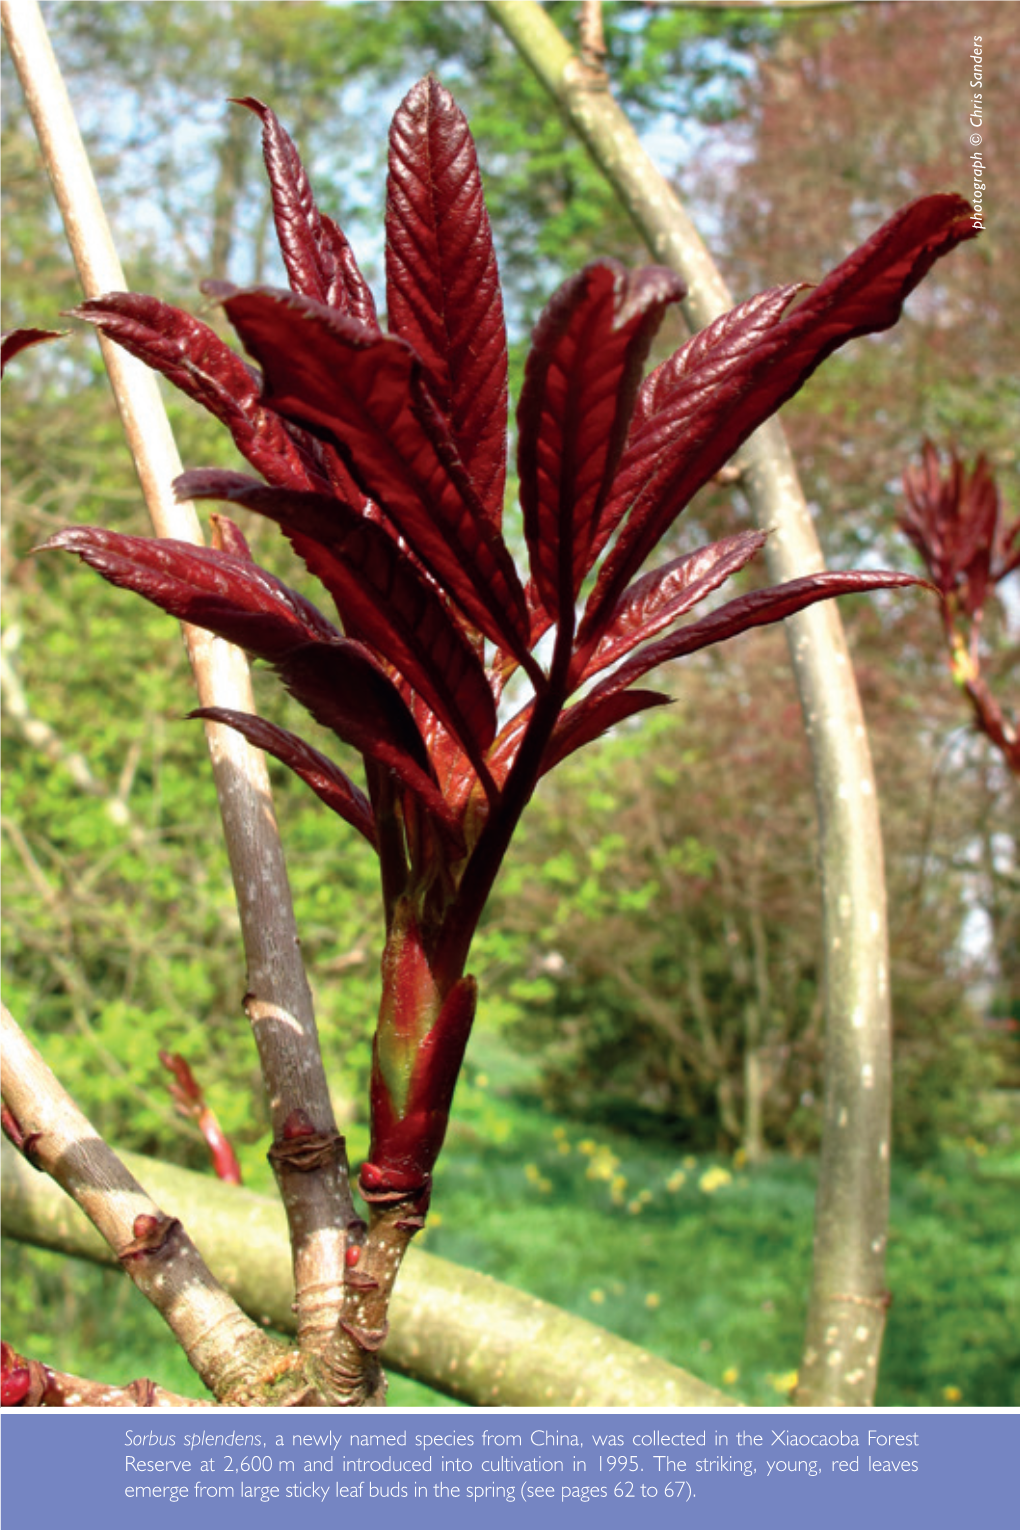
[[220, 1342], [847, 1306], [278, 1001], [463, 1333]]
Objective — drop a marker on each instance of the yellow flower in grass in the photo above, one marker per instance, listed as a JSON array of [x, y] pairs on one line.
[[675, 1180], [714, 1178], [597, 1296], [951, 1394], [690, 1162], [586, 1146], [653, 1300], [604, 1164], [784, 1383], [559, 1132], [731, 1375]]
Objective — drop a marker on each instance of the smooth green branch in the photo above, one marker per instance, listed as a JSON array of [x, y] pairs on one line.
[[465, 1334]]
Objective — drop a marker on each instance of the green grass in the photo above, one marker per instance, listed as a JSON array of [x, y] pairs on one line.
[[694, 1258]]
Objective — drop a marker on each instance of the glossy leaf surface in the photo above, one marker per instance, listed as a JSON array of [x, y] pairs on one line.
[[735, 389], [580, 381], [442, 285], [331, 784], [366, 393], [319, 260]]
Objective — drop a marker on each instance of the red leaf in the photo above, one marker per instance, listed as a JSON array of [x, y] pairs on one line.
[[194, 358], [319, 260], [365, 391], [338, 681], [736, 331], [217, 590], [953, 521], [759, 609], [190, 1101], [661, 597], [326, 779], [442, 286], [345, 691], [735, 389], [15, 340], [376, 587], [579, 384], [589, 718]]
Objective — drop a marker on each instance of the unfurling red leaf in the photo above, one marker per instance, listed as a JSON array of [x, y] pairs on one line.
[[190, 1101], [733, 332], [660, 598], [580, 381], [365, 392], [217, 590], [379, 594], [759, 609], [194, 358], [442, 286], [337, 680], [683, 444], [953, 521], [594, 715], [16, 340], [345, 690], [326, 779], [319, 260]]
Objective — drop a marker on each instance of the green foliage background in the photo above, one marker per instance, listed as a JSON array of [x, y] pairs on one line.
[[658, 918]]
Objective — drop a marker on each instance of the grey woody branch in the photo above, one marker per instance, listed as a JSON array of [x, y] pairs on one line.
[[221, 1342]]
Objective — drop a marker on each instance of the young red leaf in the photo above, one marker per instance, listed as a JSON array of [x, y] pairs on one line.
[[15, 340], [217, 590], [759, 609], [442, 286], [738, 330], [681, 446], [580, 380], [319, 260], [190, 1101], [194, 358], [338, 681], [583, 723], [661, 597], [326, 779], [377, 589], [366, 392], [953, 522], [345, 690]]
